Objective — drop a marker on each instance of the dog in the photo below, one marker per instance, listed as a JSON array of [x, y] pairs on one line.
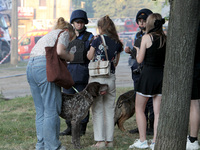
[[76, 106], [125, 108]]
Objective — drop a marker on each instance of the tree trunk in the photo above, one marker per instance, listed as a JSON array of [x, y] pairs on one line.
[[177, 82]]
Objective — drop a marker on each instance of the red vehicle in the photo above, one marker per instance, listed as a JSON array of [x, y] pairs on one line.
[[28, 41], [130, 26]]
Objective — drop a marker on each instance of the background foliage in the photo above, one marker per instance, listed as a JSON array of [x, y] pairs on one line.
[[117, 8]]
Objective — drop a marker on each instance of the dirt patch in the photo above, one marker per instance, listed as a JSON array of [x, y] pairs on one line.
[[13, 82]]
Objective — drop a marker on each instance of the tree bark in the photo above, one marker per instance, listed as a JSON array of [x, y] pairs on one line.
[[178, 71]]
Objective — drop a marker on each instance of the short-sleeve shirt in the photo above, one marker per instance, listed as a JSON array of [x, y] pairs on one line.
[[113, 48], [49, 40]]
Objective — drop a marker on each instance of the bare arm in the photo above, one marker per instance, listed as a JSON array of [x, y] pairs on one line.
[[90, 54], [117, 60], [146, 41], [63, 53]]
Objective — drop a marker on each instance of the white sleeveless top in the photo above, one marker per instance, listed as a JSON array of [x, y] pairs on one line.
[[49, 40]]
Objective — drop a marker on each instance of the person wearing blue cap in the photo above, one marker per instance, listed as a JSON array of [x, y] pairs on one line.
[[79, 66]]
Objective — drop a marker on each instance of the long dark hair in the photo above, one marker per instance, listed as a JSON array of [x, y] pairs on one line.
[[154, 27], [108, 27]]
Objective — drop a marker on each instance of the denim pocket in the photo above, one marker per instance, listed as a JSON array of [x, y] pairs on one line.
[[39, 71]]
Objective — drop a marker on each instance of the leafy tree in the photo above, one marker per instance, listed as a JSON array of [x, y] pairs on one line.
[[84, 5], [182, 36], [120, 8]]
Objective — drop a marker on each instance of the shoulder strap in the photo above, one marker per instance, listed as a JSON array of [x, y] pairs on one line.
[[58, 37], [151, 37], [104, 45], [86, 36]]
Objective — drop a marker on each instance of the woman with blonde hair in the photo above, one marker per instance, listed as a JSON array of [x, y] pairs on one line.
[[47, 95], [104, 105], [152, 53]]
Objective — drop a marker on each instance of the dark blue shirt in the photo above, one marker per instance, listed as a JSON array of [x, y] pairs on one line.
[[113, 48]]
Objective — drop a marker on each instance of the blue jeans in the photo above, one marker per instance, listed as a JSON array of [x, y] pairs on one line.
[[47, 99]]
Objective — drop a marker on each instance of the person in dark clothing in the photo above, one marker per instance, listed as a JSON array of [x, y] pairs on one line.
[[152, 54], [192, 139], [79, 67], [136, 68]]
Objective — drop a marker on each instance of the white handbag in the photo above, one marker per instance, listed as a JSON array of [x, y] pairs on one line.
[[100, 68]]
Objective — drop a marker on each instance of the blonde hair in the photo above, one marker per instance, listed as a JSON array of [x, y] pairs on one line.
[[64, 25], [108, 27], [150, 26]]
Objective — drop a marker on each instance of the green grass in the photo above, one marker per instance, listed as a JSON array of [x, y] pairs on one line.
[[17, 127]]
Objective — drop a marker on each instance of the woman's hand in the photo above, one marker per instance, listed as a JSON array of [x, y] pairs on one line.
[[137, 48], [73, 50], [127, 50]]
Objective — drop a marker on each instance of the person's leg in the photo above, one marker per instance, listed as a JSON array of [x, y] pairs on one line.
[[156, 108], [194, 118], [109, 109], [192, 141], [140, 105], [51, 101], [135, 78], [150, 116], [98, 120], [35, 91]]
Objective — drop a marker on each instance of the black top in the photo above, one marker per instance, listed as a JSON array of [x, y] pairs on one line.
[[155, 56], [113, 48]]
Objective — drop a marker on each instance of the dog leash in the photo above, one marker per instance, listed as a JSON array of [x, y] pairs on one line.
[[75, 89]]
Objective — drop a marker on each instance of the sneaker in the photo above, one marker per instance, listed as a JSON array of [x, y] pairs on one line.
[[192, 146], [152, 145], [139, 144], [99, 145]]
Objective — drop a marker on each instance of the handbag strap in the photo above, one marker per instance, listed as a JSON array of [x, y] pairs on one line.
[[104, 45], [58, 37]]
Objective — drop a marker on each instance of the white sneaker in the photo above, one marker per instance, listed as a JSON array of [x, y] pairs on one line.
[[192, 146], [152, 145], [139, 144]]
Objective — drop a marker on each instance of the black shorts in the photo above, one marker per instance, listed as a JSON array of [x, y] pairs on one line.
[[196, 85]]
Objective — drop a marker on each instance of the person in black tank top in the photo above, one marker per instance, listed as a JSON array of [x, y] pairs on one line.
[[136, 68], [192, 139], [152, 54]]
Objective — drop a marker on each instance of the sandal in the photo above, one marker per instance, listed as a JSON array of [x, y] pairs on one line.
[[109, 144], [99, 145]]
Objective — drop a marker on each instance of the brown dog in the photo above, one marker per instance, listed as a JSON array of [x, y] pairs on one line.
[[125, 108], [76, 106]]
